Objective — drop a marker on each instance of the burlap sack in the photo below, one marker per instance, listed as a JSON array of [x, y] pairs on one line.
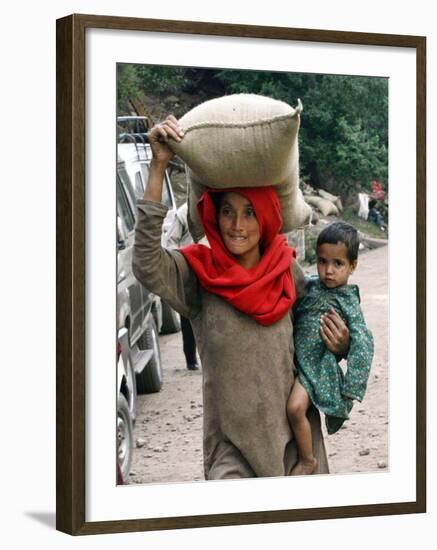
[[243, 140], [326, 207], [333, 198]]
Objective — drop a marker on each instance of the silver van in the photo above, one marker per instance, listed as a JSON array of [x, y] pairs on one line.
[[141, 315]]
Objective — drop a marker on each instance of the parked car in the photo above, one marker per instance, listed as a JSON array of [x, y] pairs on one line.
[[126, 406], [135, 152], [138, 310], [141, 315]]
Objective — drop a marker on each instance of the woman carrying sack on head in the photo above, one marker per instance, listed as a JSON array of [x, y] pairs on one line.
[[238, 294]]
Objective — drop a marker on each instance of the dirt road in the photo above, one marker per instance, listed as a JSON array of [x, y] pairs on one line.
[[168, 431]]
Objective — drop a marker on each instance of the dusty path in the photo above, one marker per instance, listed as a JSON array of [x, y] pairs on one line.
[[169, 423], [169, 426]]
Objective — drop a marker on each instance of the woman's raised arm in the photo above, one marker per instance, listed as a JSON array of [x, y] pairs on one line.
[[162, 155]]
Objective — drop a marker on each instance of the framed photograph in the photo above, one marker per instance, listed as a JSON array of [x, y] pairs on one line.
[[377, 460]]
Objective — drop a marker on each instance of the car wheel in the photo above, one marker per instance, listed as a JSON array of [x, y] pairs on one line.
[[125, 437], [150, 379], [171, 321]]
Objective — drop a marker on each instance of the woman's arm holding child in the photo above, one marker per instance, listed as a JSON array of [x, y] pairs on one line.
[[335, 333]]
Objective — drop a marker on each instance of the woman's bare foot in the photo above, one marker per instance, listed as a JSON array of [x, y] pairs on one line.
[[304, 467]]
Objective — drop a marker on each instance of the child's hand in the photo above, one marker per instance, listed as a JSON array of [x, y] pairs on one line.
[[334, 333]]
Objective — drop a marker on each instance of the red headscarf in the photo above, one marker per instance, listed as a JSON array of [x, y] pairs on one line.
[[266, 292]]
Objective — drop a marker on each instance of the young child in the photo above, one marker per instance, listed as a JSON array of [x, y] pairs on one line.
[[320, 379]]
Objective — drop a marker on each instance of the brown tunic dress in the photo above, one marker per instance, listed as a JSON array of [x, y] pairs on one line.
[[247, 368]]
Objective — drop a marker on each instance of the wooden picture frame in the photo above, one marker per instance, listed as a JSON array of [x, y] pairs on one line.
[[71, 273]]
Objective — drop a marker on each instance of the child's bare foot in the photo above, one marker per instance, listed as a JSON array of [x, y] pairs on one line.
[[304, 467]]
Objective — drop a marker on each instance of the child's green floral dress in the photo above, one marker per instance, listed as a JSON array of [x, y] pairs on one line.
[[331, 391]]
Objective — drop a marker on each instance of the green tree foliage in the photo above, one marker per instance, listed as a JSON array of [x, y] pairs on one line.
[[162, 79], [344, 131], [128, 83], [133, 79], [344, 124]]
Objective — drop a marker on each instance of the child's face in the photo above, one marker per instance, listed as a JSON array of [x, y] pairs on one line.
[[333, 265]]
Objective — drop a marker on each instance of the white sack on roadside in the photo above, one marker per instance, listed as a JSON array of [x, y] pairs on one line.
[[363, 205]]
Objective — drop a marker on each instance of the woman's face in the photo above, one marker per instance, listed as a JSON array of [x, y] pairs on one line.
[[239, 229]]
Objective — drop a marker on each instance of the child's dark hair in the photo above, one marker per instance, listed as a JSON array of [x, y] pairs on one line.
[[341, 232]]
